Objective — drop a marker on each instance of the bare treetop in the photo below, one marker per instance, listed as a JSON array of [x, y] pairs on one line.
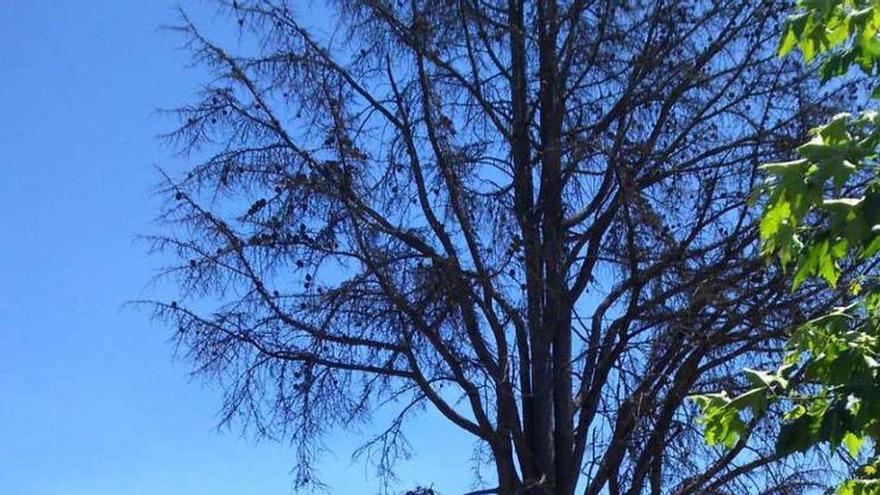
[[529, 216]]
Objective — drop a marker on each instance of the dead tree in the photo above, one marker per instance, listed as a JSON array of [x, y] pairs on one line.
[[532, 217]]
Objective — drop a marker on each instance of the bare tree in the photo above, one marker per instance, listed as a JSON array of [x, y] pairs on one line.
[[530, 216]]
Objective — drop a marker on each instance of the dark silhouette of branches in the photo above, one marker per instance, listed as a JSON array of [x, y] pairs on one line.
[[531, 217]]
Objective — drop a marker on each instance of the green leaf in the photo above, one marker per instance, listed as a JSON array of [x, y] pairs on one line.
[[817, 259], [853, 443], [797, 167], [765, 379], [775, 217], [720, 418]]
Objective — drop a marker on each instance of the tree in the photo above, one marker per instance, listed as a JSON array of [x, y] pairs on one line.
[[821, 215], [530, 217]]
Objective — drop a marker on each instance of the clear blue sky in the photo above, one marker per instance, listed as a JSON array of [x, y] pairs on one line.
[[91, 400]]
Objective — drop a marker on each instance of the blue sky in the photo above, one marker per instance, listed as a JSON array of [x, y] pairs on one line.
[[92, 401]]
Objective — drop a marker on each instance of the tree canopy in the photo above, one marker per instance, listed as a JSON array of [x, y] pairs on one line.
[[533, 218]]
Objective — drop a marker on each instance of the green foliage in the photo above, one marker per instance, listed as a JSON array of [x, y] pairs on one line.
[[843, 33], [821, 210], [841, 153]]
